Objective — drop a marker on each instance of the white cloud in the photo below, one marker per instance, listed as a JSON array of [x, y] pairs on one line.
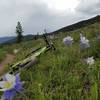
[[62, 5], [37, 15], [89, 7]]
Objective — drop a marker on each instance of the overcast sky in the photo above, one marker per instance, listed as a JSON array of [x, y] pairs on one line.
[[37, 15]]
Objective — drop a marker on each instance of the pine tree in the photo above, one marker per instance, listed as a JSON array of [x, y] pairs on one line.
[[19, 32]]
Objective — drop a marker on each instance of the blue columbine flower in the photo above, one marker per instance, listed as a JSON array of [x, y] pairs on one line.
[[68, 40], [84, 43], [10, 85]]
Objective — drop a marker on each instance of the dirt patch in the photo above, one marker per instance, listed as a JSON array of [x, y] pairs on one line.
[[9, 58]]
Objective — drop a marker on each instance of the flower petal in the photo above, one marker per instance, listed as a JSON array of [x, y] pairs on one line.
[[2, 84], [10, 78], [4, 89], [11, 97], [17, 80], [9, 94]]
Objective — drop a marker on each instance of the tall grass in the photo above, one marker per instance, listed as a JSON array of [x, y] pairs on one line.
[[61, 75]]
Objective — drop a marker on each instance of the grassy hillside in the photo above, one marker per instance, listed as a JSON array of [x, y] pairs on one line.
[[61, 74], [78, 25]]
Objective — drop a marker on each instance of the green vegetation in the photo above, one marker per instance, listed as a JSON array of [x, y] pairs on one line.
[[61, 74], [19, 32]]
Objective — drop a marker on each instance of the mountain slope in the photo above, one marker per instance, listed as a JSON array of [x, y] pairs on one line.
[[62, 74], [78, 25], [5, 39]]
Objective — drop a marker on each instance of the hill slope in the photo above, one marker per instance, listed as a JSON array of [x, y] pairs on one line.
[[5, 39], [79, 25], [62, 74]]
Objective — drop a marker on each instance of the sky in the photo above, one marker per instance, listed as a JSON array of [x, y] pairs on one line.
[[37, 15]]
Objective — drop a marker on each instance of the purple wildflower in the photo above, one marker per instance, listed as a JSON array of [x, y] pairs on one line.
[[68, 40], [10, 85]]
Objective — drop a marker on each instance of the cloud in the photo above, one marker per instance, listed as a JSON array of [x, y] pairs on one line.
[[89, 7], [12, 11], [45, 18], [35, 16]]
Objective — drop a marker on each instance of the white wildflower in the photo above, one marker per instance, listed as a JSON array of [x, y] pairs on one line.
[[15, 51], [84, 43], [90, 60]]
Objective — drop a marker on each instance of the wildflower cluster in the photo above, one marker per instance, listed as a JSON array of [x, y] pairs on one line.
[[83, 43]]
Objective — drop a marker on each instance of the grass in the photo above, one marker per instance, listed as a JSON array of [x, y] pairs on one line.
[[61, 74]]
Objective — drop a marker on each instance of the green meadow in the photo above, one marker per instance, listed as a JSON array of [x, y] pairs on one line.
[[60, 74]]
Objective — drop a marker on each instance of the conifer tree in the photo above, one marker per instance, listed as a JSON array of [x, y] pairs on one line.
[[19, 32]]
